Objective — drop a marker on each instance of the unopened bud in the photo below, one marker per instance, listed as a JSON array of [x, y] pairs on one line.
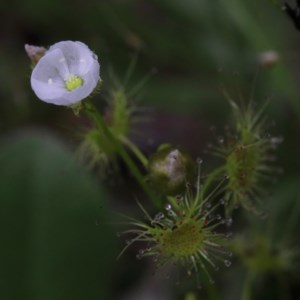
[[268, 58], [170, 169], [35, 53]]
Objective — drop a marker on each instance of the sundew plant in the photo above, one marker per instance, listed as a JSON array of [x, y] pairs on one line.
[[170, 170]]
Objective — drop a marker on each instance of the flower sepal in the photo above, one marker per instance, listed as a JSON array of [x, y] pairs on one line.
[[35, 53]]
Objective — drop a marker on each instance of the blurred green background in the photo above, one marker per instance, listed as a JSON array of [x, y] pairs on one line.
[[57, 229]]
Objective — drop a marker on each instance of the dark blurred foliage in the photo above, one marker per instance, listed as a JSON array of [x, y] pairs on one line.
[[51, 248]]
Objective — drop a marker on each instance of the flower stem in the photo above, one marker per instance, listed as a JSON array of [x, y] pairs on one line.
[[92, 112], [246, 292], [135, 150], [211, 177]]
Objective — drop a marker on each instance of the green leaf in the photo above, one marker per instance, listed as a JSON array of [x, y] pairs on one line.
[[51, 247]]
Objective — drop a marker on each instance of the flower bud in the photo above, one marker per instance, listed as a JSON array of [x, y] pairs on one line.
[[268, 59], [35, 53], [170, 169]]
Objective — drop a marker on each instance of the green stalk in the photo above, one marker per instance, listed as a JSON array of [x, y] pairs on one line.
[[208, 181], [246, 292], [92, 112], [135, 150]]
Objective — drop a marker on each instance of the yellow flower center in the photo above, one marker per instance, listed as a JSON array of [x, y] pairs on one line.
[[73, 82]]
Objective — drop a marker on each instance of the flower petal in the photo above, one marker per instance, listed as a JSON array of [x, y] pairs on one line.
[[47, 77], [46, 92], [52, 65], [79, 57], [95, 70]]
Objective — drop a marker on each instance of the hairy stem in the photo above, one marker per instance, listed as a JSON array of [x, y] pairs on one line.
[[135, 150], [92, 112], [246, 293]]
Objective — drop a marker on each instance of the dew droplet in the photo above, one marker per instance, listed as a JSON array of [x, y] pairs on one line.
[[225, 176], [159, 216], [220, 139], [218, 217], [197, 186], [208, 205], [171, 213], [227, 263], [230, 254], [229, 222], [179, 197], [228, 235], [276, 140], [199, 161], [264, 215], [222, 201], [168, 206]]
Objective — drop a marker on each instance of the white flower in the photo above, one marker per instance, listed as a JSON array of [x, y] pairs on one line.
[[66, 74]]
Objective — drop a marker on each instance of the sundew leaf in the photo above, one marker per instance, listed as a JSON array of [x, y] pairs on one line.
[[51, 247]]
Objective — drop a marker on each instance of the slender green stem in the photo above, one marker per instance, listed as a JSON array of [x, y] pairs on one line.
[[210, 178], [190, 296], [211, 289], [283, 287], [98, 121], [246, 293], [135, 150]]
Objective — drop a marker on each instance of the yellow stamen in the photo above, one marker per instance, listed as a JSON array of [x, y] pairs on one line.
[[73, 82]]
